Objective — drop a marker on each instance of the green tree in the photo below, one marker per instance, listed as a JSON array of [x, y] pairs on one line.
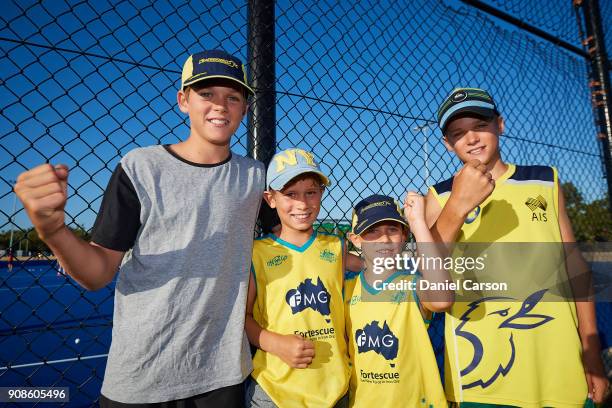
[[592, 221], [28, 239]]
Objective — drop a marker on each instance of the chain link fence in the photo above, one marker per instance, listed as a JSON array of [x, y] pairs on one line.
[[357, 83]]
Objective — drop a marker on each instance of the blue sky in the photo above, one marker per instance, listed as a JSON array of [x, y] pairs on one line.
[[353, 82]]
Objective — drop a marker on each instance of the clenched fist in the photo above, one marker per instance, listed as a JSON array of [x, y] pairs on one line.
[[43, 192], [295, 350], [471, 186], [414, 209]]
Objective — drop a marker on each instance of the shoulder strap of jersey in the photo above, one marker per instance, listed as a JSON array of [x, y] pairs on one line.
[[441, 190]]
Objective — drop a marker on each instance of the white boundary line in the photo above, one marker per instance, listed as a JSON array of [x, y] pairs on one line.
[[54, 361]]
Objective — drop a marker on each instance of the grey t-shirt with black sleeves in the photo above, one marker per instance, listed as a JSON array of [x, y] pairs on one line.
[[180, 297]]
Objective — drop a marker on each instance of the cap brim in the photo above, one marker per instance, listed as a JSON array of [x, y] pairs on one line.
[[478, 111], [360, 230], [281, 181], [194, 80]]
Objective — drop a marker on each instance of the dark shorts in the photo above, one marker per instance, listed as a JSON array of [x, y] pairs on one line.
[[226, 397]]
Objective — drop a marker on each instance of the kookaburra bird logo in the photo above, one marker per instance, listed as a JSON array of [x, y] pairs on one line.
[[522, 319]]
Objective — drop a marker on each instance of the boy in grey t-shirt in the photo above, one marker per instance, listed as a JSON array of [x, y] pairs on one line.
[[179, 220]]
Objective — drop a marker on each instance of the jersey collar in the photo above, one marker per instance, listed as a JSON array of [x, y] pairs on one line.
[[295, 247]]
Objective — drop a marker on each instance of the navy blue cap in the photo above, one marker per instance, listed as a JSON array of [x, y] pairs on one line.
[[374, 209], [214, 64]]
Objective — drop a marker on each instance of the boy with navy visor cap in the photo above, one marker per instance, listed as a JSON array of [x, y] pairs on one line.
[[392, 360]]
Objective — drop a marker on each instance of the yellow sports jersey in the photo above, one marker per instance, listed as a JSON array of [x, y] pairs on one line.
[[299, 291], [522, 351], [392, 360]]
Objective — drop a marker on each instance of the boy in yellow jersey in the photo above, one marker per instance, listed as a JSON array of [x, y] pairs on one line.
[[524, 351], [295, 310], [392, 360]]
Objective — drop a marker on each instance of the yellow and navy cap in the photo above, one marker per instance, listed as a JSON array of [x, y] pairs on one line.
[[289, 164], [374, 209], [462, 101], [212, 64]]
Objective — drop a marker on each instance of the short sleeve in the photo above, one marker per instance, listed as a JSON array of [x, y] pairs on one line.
[[118, 220]]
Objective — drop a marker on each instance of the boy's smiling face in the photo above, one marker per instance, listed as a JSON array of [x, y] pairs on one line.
[[384, 239], [474, 138], [298, 203], [215, 109]]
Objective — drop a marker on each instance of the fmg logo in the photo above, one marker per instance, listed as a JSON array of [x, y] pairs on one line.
[[379, 340], [364, 340], [309, 295]]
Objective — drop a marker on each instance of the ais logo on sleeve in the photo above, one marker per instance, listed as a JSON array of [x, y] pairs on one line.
[[379, 340], [309, 295]]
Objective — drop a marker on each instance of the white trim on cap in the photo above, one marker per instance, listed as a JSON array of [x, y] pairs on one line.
[[464, 104]]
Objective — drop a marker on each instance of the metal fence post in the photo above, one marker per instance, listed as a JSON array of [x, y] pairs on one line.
[[600, 84], [261, 55]]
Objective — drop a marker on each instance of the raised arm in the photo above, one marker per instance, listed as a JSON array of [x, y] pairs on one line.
[[432, 300], [471, 186], [43, 192]]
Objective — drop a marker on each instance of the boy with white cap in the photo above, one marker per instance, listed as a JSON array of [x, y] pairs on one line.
[[295, 311]]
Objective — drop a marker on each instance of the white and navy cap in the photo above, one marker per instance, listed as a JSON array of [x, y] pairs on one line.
[[464, 101]]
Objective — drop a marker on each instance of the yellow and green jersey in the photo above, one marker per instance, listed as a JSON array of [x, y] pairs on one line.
[[522, 351], [299, 291], [392, 361]]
